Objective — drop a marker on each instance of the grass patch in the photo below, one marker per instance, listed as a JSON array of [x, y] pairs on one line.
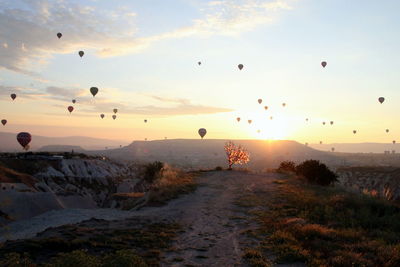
[[323, 226], [102, 245]]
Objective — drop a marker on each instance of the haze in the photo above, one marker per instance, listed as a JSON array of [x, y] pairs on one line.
[[143, 56]]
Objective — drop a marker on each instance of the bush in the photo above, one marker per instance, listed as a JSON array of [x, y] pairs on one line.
[[152, 171], [218, 168], [126, 258], [289, 166], [316, 172]]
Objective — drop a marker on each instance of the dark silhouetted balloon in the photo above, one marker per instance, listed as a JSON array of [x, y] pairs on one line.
[[114, 117], [387, 130], [320, 142], [115, 110], [323, 64], [323, 123], [73, 101], [266, 107], [333, 149], [145, 121], [4, 122], [306, 119], [202, 132], [240, 66], [94, 91], [331, 122], [13, 96], [249, 121], [81, 53], [70, 109], [259, 101], [394, 141], [102, 116], [238, 119], [199, 63], [283, 104], [354, 131], [59, 35], [381, 99], [24, 139]]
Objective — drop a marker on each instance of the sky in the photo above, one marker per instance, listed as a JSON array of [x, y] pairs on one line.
[[143, 56]]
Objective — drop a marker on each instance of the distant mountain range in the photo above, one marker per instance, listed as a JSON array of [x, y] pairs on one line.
[[358, 147], [209, 153], [8, 143]]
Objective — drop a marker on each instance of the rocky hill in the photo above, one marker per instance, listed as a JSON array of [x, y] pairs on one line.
[[34, 185]]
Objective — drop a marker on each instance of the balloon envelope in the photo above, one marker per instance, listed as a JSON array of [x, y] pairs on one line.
[[199, 63], [240, 66], [24, 139], [238, 119], [4, 122], [202, 132], [331, 122], [102, 116], [145, 121], [59, 35], [73, 101], [13, 96], [266, 107], [70, 109], [323, 63], [387, 130], [259, 101], [249, 121], [283, 104], [114, 117], [354, 131], [94, 91], [381, 100], [394, 141], [81, 53], [115, 110]]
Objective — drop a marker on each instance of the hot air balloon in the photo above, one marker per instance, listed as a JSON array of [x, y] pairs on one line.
[[240, 66], [59, 35], [354, 131], [333, 149], [259, 101], [306, 119], [323, 63], [81, 53], [238, 119], [102, 116], [145, 121], [202, 132], [70, 109], [249, 121], [320, 142], [24, 139], [115, 110], [266, 107], [381, 99], [394, 142], [387, 130], [114, 117], [283, 104], [199, 63], [331, 122], [94, 91], [73, 101], [323, 123], [13, 96], [4, 122]]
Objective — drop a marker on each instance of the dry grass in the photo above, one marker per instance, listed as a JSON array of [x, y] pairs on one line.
[[324, 227]]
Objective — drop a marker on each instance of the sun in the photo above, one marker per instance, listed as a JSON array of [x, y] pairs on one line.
[[270, 127]]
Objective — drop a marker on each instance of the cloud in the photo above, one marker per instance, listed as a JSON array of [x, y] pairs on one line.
[[25, 92], [29, 30]]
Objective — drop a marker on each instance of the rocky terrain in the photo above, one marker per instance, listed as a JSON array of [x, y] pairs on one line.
[[377, 181], [32, 186]]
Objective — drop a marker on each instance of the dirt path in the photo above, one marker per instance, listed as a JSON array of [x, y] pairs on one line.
[[212, 222]]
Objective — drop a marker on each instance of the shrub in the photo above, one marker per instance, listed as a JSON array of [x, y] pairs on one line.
[[125, 258], [75, 258], [152, 171], [316, 172], [289, 166], [218, 168]]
